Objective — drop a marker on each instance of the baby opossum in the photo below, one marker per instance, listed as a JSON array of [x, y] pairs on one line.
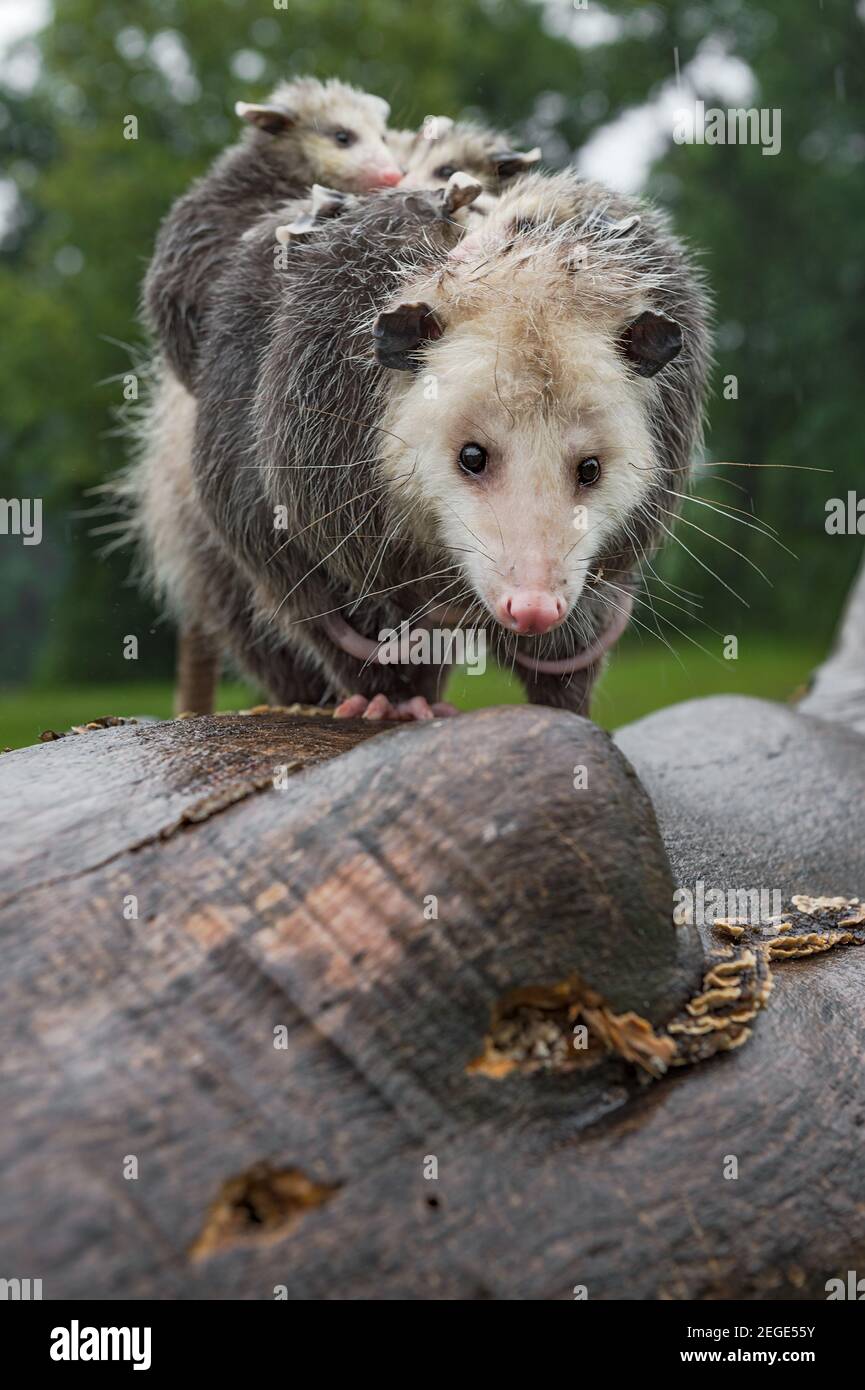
[[443, 147], [306, 132], [430, 157], [496, 441]]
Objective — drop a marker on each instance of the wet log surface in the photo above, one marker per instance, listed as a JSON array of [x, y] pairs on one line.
[[299, 916]]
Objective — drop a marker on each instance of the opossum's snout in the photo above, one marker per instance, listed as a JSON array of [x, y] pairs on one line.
[[378, 177], [531, 610]]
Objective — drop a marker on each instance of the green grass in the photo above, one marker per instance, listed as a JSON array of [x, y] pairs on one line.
[[639, 679]]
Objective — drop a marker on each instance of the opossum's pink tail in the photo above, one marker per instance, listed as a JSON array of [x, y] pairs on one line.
[[365, 649]]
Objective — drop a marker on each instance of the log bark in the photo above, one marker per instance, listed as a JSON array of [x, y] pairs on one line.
[[281, 1039]]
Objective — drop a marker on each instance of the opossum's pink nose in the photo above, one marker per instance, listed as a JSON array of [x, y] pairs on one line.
[[382, 178], [531, 610]]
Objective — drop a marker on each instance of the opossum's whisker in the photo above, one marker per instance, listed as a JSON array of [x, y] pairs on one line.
[[372, 572], [580, 538], [722, 510], [728, 507], [719, 478], [407, 622], [460, 625], [377, 560], [319, 519], [347, 419], [706, 567], [426, 605], [376, 488], [797, 467], [688, 612], [678, 589], [309, 467], [498, 524], [644, 626], [689, 638], [712, 537], [482, 550], [376, 593], [470, 621], [657, 598], [466, 426], [322, 561], [642, 558], [496, 385]]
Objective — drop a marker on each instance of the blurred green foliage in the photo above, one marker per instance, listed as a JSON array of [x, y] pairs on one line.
[[639, 678], [782, 238]]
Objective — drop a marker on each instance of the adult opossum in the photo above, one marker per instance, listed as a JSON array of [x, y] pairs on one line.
[[160, 484], [391, 422], [306, 132]]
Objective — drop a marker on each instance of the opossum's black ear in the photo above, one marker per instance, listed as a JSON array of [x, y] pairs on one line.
[[269, 118], [650, 342], [508, 163], [399, 332]]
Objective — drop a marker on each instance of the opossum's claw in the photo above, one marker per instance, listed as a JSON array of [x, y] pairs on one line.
[[380, 707], [351, 708], [459, 190]]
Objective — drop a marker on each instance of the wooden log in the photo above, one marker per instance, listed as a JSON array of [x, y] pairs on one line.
[[279, 1043]]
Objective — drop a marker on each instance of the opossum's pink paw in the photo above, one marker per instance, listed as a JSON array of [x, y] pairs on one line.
[[403, 711], [380, 707], [351, 708], [359, 707], [415, 708]]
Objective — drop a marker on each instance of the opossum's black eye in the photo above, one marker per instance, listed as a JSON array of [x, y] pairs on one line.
[[589, 472], [473, 458], [344, 137], [445, 171]]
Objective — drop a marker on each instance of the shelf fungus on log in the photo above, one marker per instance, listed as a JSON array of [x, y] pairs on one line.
[[540, 1029]]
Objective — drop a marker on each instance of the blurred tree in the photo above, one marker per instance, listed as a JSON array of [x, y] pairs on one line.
[[782, 237]]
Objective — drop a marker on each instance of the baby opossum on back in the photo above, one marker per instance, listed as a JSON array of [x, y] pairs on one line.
[[442, 147], [498, 438], [306, 132]]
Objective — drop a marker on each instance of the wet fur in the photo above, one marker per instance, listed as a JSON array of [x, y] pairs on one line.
[[245, 182], [289, 379]]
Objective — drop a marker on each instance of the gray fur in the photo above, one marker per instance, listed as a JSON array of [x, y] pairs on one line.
[[247, 180], [289, 396]]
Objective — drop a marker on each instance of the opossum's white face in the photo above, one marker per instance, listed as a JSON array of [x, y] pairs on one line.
[[331, 133], [487, 157], [526, 457]]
